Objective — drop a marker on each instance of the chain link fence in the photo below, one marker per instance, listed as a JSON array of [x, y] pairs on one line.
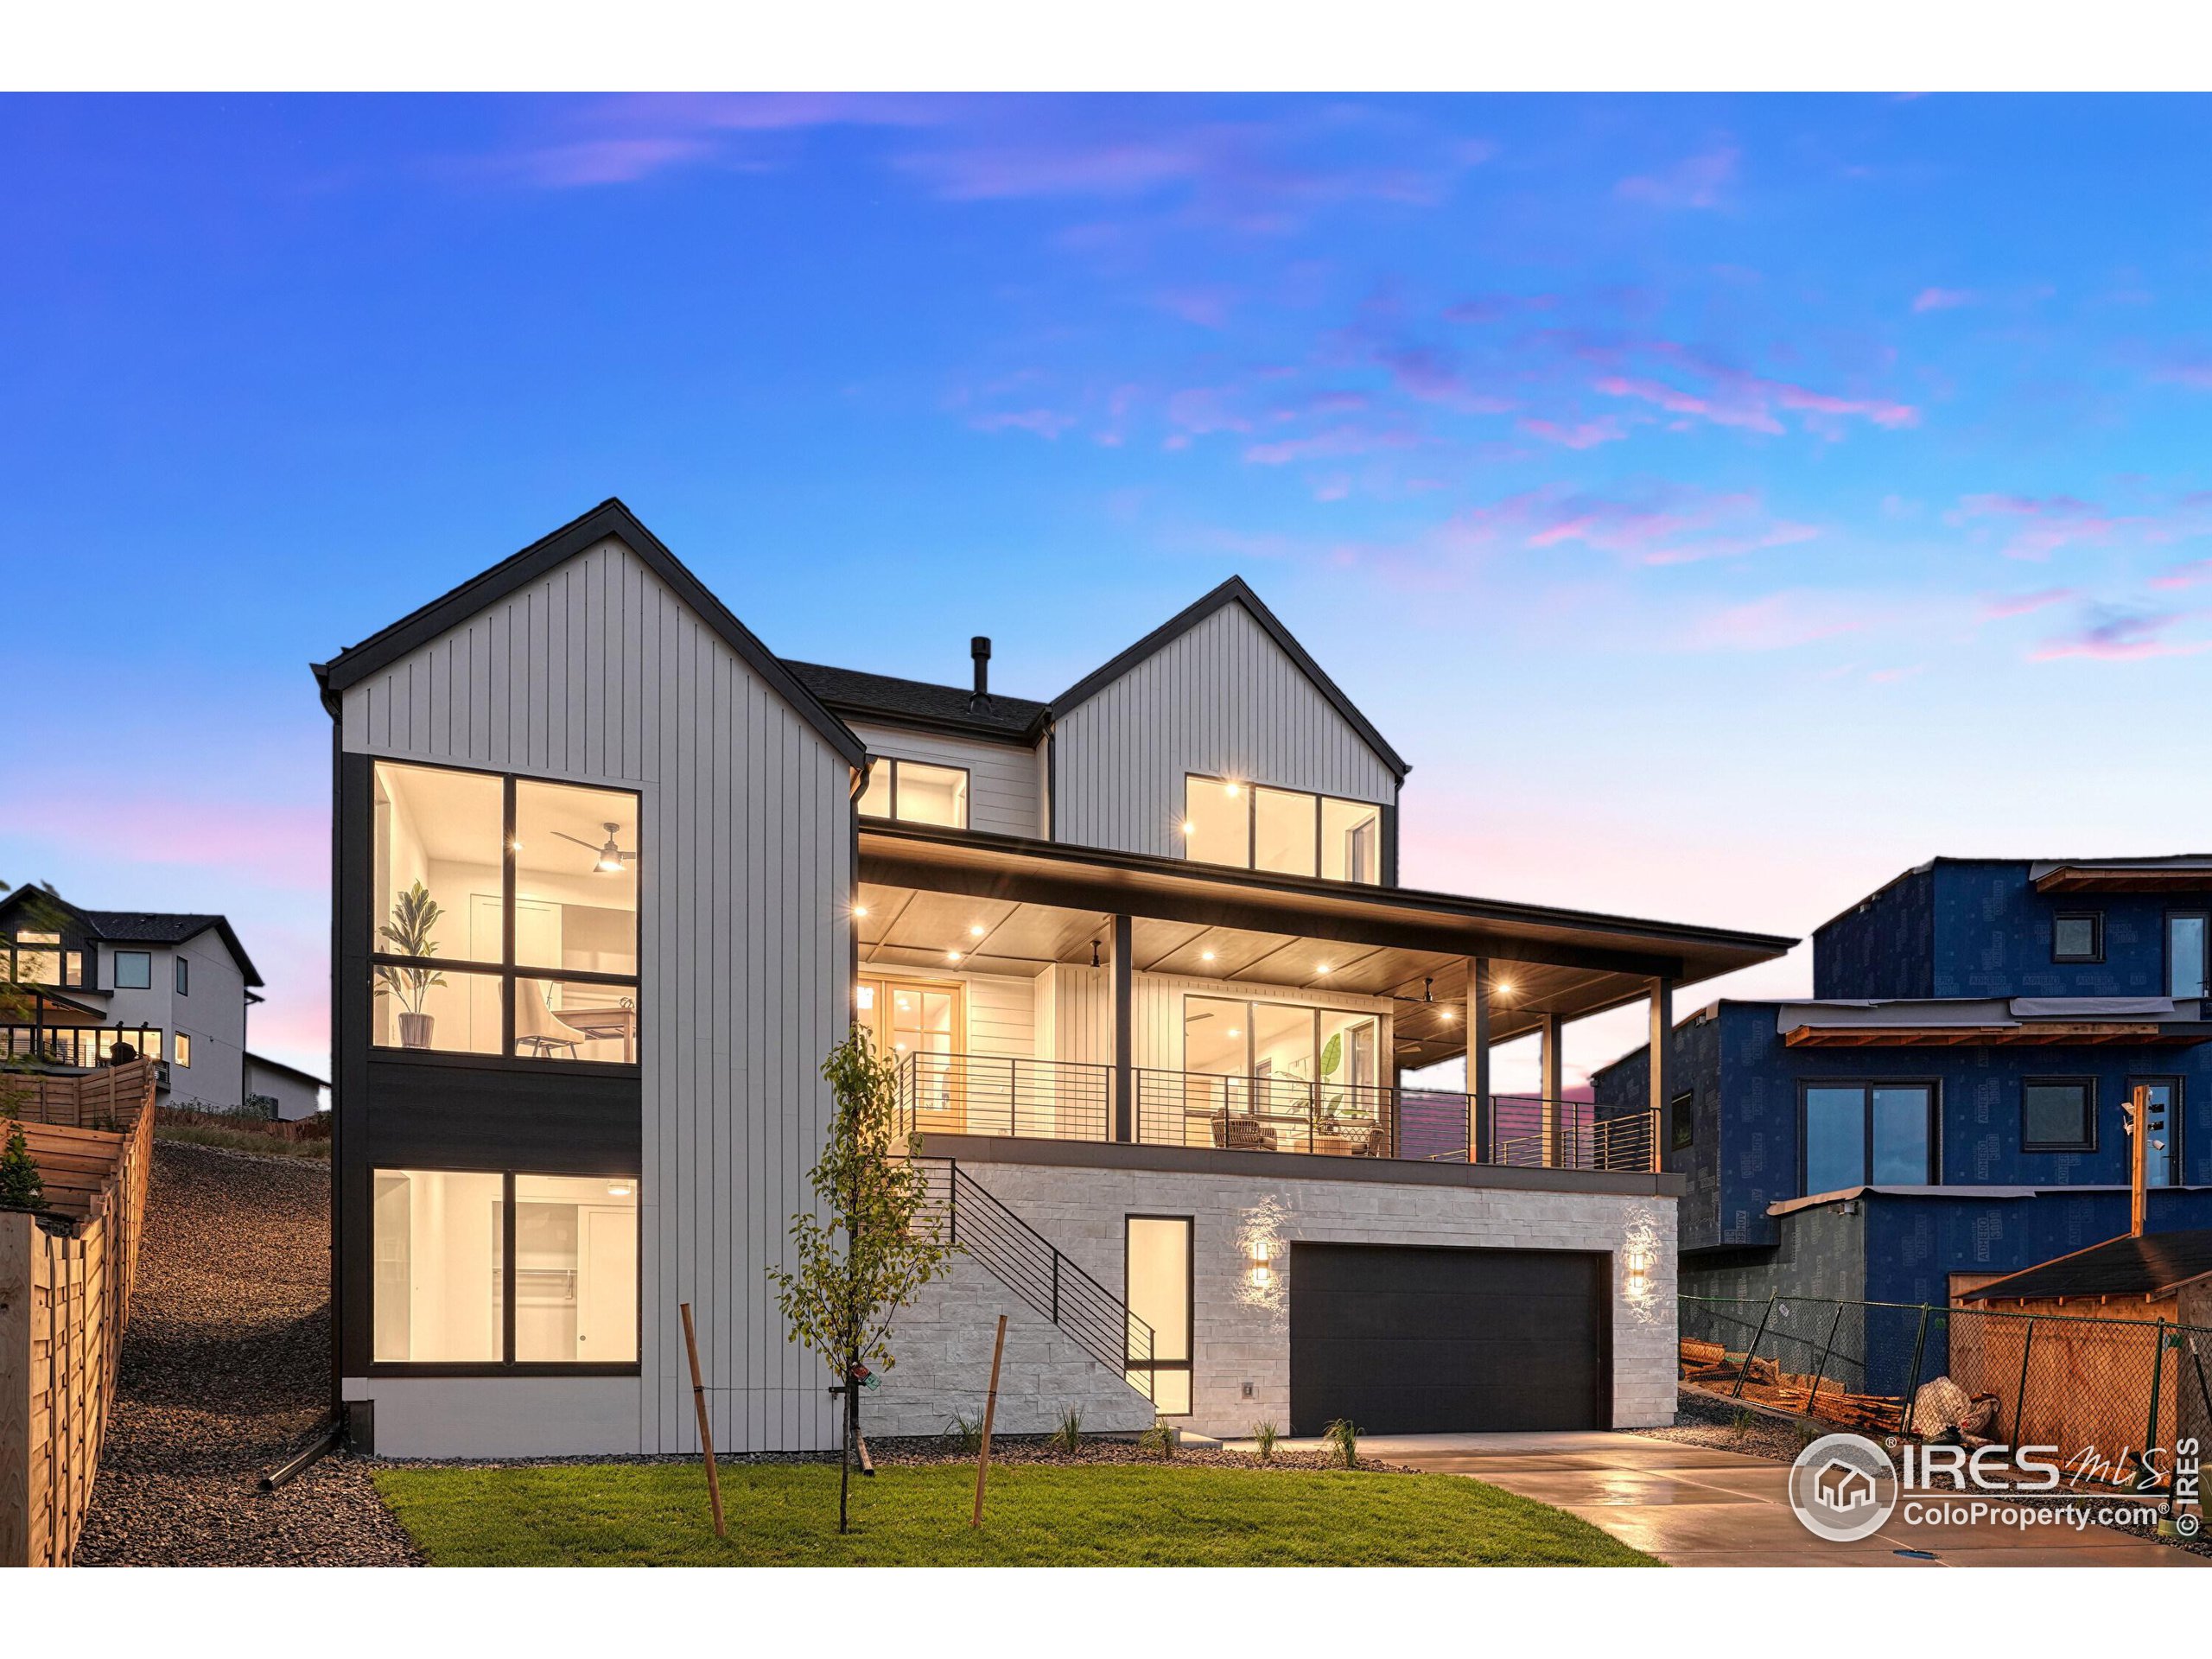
[[2099, 1390]]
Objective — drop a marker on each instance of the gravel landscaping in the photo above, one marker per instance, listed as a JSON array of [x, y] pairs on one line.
[[225, 1370]]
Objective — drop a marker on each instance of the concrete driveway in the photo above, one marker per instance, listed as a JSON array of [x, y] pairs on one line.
[[1691, 1506]]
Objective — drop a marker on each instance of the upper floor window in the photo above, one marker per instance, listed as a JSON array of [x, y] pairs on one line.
[[183, 976], [915, 792], [505, 912], [134, 971], [1868, 1133], [38, 958], [2058, 1115], [2185, 954], [1258, 826], [2078, 936], [1681, 1112]]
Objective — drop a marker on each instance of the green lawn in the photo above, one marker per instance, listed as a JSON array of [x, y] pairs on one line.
[[1099, 1515]]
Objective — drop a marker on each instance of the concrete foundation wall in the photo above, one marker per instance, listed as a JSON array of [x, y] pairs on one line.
[[1243, 1331]]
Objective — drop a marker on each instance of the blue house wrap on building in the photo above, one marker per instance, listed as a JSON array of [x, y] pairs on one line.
[[1952, 1098]]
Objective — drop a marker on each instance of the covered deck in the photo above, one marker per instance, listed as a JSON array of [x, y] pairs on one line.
[[1138, 966]]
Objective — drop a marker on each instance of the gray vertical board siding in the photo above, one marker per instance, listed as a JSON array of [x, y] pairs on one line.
[[1003, 778], [599, 674], [1224, 700]]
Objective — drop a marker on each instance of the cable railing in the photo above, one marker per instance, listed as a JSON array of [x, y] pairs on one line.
[[992, 1094], [1073, 1100], [1032, 1267]]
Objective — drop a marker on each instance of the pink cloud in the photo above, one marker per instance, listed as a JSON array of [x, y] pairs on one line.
[[1736, 398], [1697, 181], [603, 160], [1044, 423], [1997, 606], [2196, 571], [2115, 636], [1669, 527], [1582, 434], [1209, 307], [280, 846], [1942, 299], [1778, 622], [2043, 525], [1336, 441]]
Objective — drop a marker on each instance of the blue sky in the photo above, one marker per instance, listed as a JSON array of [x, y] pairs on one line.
[[1724, 502]]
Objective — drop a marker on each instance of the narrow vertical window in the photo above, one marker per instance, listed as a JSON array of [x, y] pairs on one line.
[[182, 977], [2185, 955], [1157, 1288]]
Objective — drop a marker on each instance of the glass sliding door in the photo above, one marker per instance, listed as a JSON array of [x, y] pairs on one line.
[[1280, 1076], [2185, 954], [920, 1026]]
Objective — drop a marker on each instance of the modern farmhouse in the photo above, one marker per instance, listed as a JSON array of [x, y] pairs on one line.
[[611, 878]]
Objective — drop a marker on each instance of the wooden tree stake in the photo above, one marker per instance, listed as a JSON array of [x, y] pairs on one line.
[[990, 1410], [706, 1430]]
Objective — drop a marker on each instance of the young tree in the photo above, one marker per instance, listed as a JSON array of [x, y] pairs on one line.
[[862, 1255], [22, 1187]]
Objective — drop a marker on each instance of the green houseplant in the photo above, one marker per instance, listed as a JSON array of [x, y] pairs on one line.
[[410, 934]]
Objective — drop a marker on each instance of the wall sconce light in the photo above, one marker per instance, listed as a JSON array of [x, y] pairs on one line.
[[1639, 1273], [1190, 829], [860, 910], [1262, 1268], [618, 1189]]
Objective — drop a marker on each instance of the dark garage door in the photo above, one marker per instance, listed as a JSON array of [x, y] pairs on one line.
[[1409, 1341]]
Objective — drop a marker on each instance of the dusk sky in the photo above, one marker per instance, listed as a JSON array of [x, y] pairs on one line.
[[1724, 502]]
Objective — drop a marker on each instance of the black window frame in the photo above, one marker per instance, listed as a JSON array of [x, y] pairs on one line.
[[892, 763], [1250, 789], [1152, 1368], [506, 972], [2096, 952], [2176, 1116], [1681, 1120], [1866, 1086], [2088, 1085], [182, 975], [508, 1365], [2166, 946], [181, 1048], [146, 957]]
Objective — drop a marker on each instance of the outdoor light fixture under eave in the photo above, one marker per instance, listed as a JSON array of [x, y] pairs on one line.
[[952, 955], [1190, 829], [860, 910]]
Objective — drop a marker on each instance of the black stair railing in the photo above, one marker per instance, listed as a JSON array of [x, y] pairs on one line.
[[1032, 1267]]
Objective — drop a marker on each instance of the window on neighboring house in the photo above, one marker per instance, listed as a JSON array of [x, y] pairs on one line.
[[183, 974], [1156, 1288], [913, 792], [2162, 1153], [1258, 826], [505, 916], [134, 971], [38, 958], [503, 1269], [2078, 936], [2058, 1115], [1682, 1114], [85, 1046], [184, 1049], [1872, 1133], [2185, 954]]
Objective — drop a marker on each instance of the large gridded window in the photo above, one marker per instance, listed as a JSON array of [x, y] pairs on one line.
[[1861, 1134], [2185, 954], [505, 916], [2058, 1115], [1257, 827], [38, 957], [914, 793], [1156, 1289], [504, 1269]]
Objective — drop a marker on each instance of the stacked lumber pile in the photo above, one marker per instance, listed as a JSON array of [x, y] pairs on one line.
[[1763, 1382]]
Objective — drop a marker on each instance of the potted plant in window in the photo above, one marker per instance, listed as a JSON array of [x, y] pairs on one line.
[[408, 933]]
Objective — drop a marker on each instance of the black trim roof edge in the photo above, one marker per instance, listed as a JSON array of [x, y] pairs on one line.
[[1502, 910], [1235, 591], [216, 924], [611, 518]]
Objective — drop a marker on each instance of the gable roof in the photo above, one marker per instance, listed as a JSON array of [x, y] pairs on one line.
[[142, 927], [1232, 592], [849, 691], [610, 519], [262, 1062], [2128, 1266]]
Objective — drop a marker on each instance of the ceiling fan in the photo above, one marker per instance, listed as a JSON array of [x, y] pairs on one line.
[[609, 857]]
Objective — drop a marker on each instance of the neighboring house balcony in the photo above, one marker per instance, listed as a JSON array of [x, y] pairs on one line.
[[1033, 990], [61, 1030]]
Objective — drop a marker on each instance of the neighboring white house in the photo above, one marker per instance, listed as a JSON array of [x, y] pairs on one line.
[[612, 878], [173, 987], [290, 1093]]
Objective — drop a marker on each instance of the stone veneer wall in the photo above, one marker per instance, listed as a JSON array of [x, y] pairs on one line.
[[944, 1344]]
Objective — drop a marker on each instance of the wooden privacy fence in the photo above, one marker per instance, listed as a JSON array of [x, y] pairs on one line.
[[65, 1278]]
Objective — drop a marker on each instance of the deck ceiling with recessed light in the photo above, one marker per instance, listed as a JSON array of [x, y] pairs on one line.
[[924, 894]]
